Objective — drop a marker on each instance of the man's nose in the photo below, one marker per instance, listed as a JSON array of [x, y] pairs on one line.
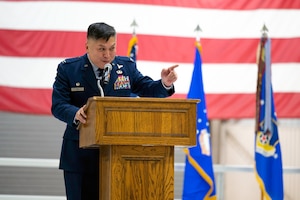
[[106, 52]]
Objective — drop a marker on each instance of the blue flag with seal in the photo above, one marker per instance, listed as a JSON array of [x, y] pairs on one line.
[[268, 162], [199, 175]]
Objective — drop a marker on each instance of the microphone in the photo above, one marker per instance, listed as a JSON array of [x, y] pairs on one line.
[[106, 73]]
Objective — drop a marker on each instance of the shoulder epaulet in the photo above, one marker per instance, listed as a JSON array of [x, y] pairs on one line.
[[70, 60], [125, 58]]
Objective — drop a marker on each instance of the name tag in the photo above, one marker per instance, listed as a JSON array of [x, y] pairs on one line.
[[77, 89]]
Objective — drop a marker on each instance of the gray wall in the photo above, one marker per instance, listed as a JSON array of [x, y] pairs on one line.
[[30, 136]]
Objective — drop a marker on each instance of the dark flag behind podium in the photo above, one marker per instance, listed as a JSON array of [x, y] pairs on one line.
[[132, 51], [198, 175], [268, 161]]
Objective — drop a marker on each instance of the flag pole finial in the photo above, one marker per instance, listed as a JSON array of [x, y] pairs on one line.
[[264, 31], [134, 25], [198, 30]]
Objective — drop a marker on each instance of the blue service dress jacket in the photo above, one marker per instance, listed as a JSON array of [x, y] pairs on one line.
[[75, 82]]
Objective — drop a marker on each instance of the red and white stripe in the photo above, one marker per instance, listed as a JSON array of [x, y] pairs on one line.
[[36, 35]]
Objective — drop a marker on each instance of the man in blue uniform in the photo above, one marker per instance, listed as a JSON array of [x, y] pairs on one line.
[[76, 81]]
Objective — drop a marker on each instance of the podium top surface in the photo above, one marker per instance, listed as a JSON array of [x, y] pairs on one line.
[[142, 99], [139, 121]]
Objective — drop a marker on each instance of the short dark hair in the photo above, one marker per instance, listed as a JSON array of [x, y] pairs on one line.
[[100, 30]]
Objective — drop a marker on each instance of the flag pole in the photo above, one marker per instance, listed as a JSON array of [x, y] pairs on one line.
[[134, 25], [197, 43], [264, 31], [198, 30]]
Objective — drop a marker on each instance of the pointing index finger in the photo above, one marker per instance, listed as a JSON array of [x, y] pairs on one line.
[[173, 67]]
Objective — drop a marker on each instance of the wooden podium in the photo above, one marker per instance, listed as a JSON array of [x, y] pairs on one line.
[[136, 137]]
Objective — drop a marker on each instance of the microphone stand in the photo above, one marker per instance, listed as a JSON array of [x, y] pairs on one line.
[[100, 87]]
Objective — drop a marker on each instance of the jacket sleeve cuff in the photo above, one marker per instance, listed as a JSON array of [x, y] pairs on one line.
[[166, 87]]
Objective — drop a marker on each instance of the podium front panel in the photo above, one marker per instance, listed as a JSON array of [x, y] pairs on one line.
[[136, 172]]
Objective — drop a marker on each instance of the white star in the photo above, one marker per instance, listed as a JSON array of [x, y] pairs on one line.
[[199, 120]]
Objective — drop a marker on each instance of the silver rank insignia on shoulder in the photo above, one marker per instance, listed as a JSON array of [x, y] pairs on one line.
[[86, 65], [119, 72]]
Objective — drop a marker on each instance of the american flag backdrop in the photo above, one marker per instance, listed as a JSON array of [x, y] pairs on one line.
[[37, 35]]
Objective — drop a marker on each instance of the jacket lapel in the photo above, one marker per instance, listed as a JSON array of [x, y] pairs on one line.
[[89, 76]]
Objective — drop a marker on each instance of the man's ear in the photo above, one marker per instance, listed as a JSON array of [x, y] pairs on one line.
[[86, 45]]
